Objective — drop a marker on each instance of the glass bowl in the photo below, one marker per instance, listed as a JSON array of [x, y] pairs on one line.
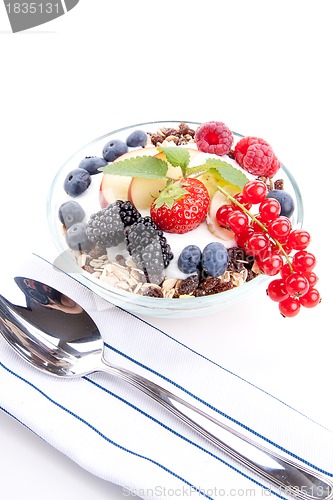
[[138, 304]]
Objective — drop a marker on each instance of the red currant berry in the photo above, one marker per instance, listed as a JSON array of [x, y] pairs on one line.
[[303, 261], [286, 271], [276, 290], [256, 227], [238, 221], [257, 243], [269, 209], [222, 214], [241, 238], [299, 239], [270, 264], [254, 192], [240, 198], [311, 277], [289, 307], [287, 248], [311, 298], [296, 285], [280, 228]]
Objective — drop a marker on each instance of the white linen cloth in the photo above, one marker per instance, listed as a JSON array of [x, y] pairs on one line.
[[119, 434]]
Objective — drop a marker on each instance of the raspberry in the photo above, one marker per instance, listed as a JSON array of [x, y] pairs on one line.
[[214, 137], [256, 156]]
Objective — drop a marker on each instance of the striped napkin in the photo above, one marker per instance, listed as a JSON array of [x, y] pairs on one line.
[[118, 434]]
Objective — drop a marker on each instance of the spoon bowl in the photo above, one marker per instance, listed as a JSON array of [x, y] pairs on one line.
[[53, 333], [57, 336]]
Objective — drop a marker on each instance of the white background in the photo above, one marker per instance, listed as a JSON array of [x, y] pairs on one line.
[[262, 67]]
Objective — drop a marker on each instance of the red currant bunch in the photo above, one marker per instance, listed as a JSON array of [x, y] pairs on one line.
[[296, 287], [275, 245]]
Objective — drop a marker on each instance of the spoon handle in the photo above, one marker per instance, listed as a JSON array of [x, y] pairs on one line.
[[289, 477]]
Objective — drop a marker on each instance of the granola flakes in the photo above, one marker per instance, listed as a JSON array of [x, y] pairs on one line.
[[122, 273]]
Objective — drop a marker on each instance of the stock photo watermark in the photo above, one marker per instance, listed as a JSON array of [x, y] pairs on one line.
[[23, 15], [215, 492], [188, 491]]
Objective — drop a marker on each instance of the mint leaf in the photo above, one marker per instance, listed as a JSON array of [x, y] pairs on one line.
[[215, 162], [148, 167], [178, 157], [229, 173]]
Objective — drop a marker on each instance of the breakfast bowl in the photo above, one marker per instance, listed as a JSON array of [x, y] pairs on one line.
[[133, 216]]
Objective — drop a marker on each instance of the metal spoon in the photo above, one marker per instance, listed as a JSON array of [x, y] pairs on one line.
[[57, 336]]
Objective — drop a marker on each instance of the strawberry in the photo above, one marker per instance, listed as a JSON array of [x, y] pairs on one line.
[[181, 206]]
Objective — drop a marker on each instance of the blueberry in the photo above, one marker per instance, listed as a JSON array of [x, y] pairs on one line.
[[189, 259], [214, 259], [137, 138], [70, 213], [76, 237], [285, 200], [113, 149], [92, 164], [77, 181]]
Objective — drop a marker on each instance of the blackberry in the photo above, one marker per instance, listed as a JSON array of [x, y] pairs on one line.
[[106, 227], [149, 249]]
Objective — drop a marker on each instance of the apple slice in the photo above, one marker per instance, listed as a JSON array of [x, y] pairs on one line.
[[115, 187], [142, 192], [112, 188], [213, 226]]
